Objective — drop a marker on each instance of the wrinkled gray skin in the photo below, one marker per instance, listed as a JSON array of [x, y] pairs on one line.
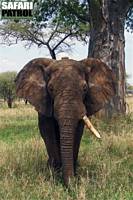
[[62, 93]]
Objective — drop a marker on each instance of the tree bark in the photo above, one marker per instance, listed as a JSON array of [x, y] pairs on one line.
[[107, 42]]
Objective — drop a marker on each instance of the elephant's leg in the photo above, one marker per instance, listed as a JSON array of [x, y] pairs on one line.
[[77, 139], [49, 131]]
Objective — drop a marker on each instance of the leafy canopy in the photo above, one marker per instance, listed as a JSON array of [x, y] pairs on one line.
[[74, 14]]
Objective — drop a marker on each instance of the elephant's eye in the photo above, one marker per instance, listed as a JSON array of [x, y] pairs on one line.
[[85, 88]]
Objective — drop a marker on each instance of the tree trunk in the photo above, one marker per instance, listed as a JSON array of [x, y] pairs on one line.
[[9, 102], [107, 43], [53, 55]]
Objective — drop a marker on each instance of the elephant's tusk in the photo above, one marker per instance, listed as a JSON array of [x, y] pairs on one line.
[[90, 126]]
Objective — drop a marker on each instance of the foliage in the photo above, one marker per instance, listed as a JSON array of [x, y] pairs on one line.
[[7, 86], [129, 20], [105, 167], [67, 13], [74, 13], [129, 86]]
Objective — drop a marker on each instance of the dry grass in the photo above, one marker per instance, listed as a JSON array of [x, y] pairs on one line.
[[129, 101], [105, 167]]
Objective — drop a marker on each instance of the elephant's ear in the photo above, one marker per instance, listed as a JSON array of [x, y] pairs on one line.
[[101, 84], [31, 85]]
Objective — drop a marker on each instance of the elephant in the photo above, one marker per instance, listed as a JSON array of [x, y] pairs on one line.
[[65, 93]]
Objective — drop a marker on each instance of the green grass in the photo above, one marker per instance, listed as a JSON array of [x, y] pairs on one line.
[[19, 123], [105, 167]]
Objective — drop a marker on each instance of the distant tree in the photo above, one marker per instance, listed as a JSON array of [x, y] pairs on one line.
[[129, 86], [7, 87]]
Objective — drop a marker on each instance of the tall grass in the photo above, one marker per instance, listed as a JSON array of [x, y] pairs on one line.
[[105, 168]]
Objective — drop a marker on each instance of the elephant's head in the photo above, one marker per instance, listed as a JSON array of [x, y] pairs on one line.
[[67, 90]]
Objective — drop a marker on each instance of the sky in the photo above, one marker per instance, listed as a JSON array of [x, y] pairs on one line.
[[13, 58]]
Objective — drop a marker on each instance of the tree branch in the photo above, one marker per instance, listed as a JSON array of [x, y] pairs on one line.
[[62, 40], [52, 34]]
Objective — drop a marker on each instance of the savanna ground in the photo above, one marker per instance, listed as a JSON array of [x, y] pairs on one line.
[[105, 169]]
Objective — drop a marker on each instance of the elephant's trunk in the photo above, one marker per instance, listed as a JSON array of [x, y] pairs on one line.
[[68, 111], [67, 129]]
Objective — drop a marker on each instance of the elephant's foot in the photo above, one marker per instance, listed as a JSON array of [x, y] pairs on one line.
[[54, 165]]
